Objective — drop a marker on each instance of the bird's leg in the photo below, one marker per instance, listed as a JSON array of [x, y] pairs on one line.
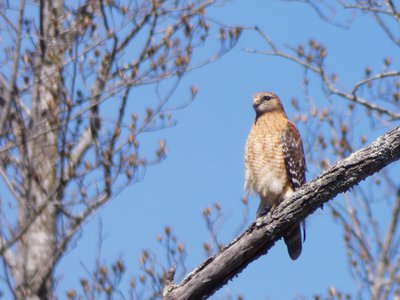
[[265, 209], [262, 209], [271, 211]]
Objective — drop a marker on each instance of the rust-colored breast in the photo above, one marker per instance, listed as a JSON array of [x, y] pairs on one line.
[[264, 160]]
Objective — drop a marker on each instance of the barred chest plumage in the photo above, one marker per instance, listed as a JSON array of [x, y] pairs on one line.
[[265, 172]]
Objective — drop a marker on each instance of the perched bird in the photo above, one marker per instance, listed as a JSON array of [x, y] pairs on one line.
[[274, 161]]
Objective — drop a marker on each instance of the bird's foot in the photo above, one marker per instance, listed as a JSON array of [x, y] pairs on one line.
[[262, 211]]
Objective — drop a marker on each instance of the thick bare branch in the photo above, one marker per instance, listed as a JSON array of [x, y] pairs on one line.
[[86, 140], [261, 235]]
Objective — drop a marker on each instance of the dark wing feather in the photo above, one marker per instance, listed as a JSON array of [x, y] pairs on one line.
[[294, 156]]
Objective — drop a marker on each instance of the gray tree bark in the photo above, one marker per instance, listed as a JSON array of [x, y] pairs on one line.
[[261, 235], [36, 252]]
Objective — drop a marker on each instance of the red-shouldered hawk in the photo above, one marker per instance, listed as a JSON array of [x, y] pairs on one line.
[[274, 160]]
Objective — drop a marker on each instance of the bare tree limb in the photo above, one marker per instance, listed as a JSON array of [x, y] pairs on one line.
[[310, 63], [8, 255], [378, 287], [86, 140], [13, 83], [261, 235]]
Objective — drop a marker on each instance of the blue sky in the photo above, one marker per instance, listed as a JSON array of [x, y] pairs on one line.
[[205, 159]]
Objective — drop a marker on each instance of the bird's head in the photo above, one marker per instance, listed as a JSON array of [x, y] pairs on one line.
[[266, 102]]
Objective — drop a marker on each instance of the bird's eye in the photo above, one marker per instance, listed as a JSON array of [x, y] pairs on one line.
[[267, 98]]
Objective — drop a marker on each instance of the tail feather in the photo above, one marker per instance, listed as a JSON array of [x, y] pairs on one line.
[[293, 242]]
